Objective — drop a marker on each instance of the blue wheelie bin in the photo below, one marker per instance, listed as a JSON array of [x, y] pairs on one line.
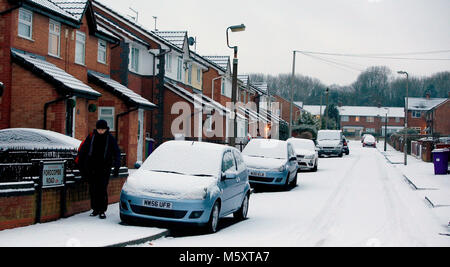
[[440, 160]]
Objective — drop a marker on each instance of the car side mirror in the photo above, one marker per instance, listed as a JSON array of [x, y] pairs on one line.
[[293, 159], [229, 175]]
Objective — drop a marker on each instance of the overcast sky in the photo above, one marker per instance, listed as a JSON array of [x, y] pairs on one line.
[[277, 27]]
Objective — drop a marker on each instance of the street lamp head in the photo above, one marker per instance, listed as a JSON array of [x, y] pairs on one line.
[[237, 28]]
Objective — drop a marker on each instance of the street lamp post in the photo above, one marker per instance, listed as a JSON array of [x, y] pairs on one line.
[[292, 97], [326, 110], [406, 117], [236, 28]]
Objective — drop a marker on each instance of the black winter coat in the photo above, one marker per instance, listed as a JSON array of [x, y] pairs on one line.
[[98, 152]]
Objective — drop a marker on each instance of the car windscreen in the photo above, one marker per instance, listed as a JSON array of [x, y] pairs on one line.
[[263, 148], [195, 160], [303, 144], [328, 136]]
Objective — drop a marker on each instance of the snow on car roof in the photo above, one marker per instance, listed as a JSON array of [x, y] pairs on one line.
[[186, 157], [28, 138]]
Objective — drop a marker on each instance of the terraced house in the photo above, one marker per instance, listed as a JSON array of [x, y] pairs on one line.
[[55, 63]]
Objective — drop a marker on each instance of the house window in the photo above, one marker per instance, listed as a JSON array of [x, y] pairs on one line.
[[370, 130], [199, 75], [416, 114], [370, 119], [180, 69], [190, 74], [54, 36], [25, 23], [397, 119], [107, 114], [135, 59], [168, 62], [101, 57], [345, 118], [80, 48], [357, 119], [383, 119]]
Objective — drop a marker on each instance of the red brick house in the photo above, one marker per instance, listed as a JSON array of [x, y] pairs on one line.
[[418, 108], [51, 48], [355, 121], [438, 119]]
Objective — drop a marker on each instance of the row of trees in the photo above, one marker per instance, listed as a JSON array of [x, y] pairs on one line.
[[375, 86]]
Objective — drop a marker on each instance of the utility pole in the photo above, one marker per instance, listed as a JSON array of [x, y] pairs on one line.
[[406, 117], [326, 110], [292, 97], [385, 132], [320, 112]]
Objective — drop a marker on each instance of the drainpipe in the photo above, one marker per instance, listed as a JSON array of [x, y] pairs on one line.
[[118, 116], [212, 88], [51, 103]]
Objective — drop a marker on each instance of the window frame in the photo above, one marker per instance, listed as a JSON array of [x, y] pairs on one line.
[[100, 49], [27, 23], [179, 69], [58, 34], [102, 117], [414, 114], [83, 43], [135, 54], [345, 118]]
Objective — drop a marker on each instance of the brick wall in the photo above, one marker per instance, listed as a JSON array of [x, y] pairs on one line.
[[5, 63], [442, 119], [418, 122], [19, 209], [377, 123]]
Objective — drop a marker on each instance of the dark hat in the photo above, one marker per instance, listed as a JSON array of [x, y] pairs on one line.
[[101, 124]]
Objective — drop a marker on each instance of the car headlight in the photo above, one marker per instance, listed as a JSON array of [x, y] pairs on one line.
[[282, 168], [309, 156]]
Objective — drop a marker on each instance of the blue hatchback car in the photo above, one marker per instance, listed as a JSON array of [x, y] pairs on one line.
[[271, 162], [188, 182]]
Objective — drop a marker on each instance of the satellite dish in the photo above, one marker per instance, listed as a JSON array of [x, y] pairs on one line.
[[191, 41]]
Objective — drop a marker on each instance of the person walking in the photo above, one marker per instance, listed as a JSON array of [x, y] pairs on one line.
[[96, 156]]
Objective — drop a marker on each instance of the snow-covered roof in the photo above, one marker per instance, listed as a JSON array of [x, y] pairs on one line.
[[120, 90], [314, 109], [53, 74], [175, 37], [76, 7], [221, 61], [424, 104], [27, 138], [299, 104], [263, 86], [371, 111], [54, 7]]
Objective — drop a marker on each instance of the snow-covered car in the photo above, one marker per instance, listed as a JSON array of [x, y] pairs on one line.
[[330, 142], [370, 140], [271, 162], [35, 139], [305, 150], [188, 182]]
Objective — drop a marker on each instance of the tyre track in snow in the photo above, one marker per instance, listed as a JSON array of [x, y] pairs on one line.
[[325, 219]]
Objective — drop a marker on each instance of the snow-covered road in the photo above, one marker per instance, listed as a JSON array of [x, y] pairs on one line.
[[358, 200]]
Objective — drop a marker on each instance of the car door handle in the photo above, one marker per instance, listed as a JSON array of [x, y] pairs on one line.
[[238, 180]]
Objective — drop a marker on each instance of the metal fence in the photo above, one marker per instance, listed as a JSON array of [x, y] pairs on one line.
[[20, 165]]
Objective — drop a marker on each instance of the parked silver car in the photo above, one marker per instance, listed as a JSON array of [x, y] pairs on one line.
[[307, 155]]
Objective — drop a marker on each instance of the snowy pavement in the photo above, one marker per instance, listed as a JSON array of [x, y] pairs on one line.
[[358, 200], [79, 231]]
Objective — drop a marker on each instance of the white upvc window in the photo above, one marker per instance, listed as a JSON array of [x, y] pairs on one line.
[[416, 114], [345, 118], [135, 59], [180, 69], [370, 130], [199, 75], [169, 62], [102, 46], [107, 114], [25, 23], [189, 73], [54, 38], [370, 119], [397, 119], [80, 48]]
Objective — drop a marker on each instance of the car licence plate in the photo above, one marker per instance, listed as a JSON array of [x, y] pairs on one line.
[[259, 174], [157, 204]]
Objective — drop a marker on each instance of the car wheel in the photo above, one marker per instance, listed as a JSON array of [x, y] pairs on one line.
[[241, 214], [341, 155], [213, 222], [287, 184], [294, 182], [125, 219], [315, 167]]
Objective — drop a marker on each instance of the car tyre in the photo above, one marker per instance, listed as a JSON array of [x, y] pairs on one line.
[[213, 223], [294, 182], [341, 154], [241, 214], [287, 184], [315, 167]]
